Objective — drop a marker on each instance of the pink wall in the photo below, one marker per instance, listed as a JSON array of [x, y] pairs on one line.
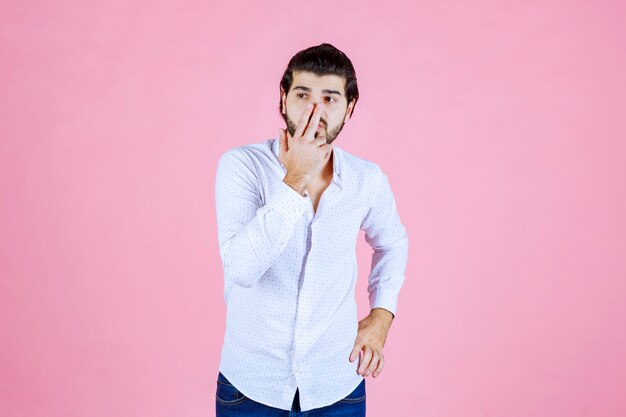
[[500, 125]]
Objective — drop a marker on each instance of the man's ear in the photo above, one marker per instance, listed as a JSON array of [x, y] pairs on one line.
[[349, 111], [282, 100]]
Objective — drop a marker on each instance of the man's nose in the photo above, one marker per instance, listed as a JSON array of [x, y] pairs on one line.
[[320, 104]]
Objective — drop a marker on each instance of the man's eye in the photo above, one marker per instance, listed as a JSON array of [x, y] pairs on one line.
[[301, 94], [333, 98]]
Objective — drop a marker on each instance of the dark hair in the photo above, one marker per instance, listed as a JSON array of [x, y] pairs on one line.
[[323, 59]]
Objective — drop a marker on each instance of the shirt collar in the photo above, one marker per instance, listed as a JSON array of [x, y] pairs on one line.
[[336, 160]]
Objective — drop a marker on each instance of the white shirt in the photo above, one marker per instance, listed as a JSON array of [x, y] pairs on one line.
[[290, 273]]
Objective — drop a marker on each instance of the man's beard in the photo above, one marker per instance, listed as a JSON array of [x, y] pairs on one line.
[[330, 136]]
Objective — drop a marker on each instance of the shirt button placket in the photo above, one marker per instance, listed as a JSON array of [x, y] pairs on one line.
[[298, 342], [300, 333]]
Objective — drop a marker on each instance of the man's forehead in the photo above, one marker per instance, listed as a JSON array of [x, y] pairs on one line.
[[318, 82]]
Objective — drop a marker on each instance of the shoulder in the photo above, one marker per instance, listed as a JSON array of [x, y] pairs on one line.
[[247, 151], [248, 155], [366, 178], [366, 172]]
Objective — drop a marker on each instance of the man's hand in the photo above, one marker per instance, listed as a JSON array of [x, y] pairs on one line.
[[371, 338], [303, 155]]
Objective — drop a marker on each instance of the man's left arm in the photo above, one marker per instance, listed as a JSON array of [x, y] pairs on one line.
[[387, 236]]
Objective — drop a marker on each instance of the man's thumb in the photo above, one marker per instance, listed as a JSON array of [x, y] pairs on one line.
[[282, 140]]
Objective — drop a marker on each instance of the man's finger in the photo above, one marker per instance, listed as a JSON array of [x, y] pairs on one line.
[[381, 364], [373, 364], [355, 352], [304, 119], [367, 356], [319, 141], [315, 120], [327, 149]]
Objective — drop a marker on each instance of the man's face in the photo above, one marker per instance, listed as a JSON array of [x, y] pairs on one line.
[[328, 92]]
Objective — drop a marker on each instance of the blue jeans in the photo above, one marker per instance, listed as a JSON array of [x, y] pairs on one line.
[[230, 402]]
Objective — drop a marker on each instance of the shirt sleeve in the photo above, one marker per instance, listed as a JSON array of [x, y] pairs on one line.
[[387, 236], [251, 235]]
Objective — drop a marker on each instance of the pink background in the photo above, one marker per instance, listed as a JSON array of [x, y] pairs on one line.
[[501, 128]]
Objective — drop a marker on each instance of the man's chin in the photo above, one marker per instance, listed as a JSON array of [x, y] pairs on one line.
[[319, 135]]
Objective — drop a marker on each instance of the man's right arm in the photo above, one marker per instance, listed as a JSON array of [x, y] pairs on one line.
[[251, 235]]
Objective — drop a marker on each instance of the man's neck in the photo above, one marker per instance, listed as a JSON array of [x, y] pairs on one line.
[[329, 167]]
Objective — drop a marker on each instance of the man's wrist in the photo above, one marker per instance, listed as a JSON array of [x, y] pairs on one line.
[[296, 183], [382, 313]]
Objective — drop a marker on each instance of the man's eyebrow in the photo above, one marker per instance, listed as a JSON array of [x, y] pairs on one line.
[[325, 91]]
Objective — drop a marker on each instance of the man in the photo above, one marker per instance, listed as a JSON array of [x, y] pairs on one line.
[[289, 211]]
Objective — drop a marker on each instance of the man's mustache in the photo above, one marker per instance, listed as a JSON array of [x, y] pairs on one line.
[[321, 122]]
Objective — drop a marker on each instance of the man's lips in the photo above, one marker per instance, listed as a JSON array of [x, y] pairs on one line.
[[320, 126]]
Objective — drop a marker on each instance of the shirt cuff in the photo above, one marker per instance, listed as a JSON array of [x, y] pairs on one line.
[[383, 298], [288, 202]]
